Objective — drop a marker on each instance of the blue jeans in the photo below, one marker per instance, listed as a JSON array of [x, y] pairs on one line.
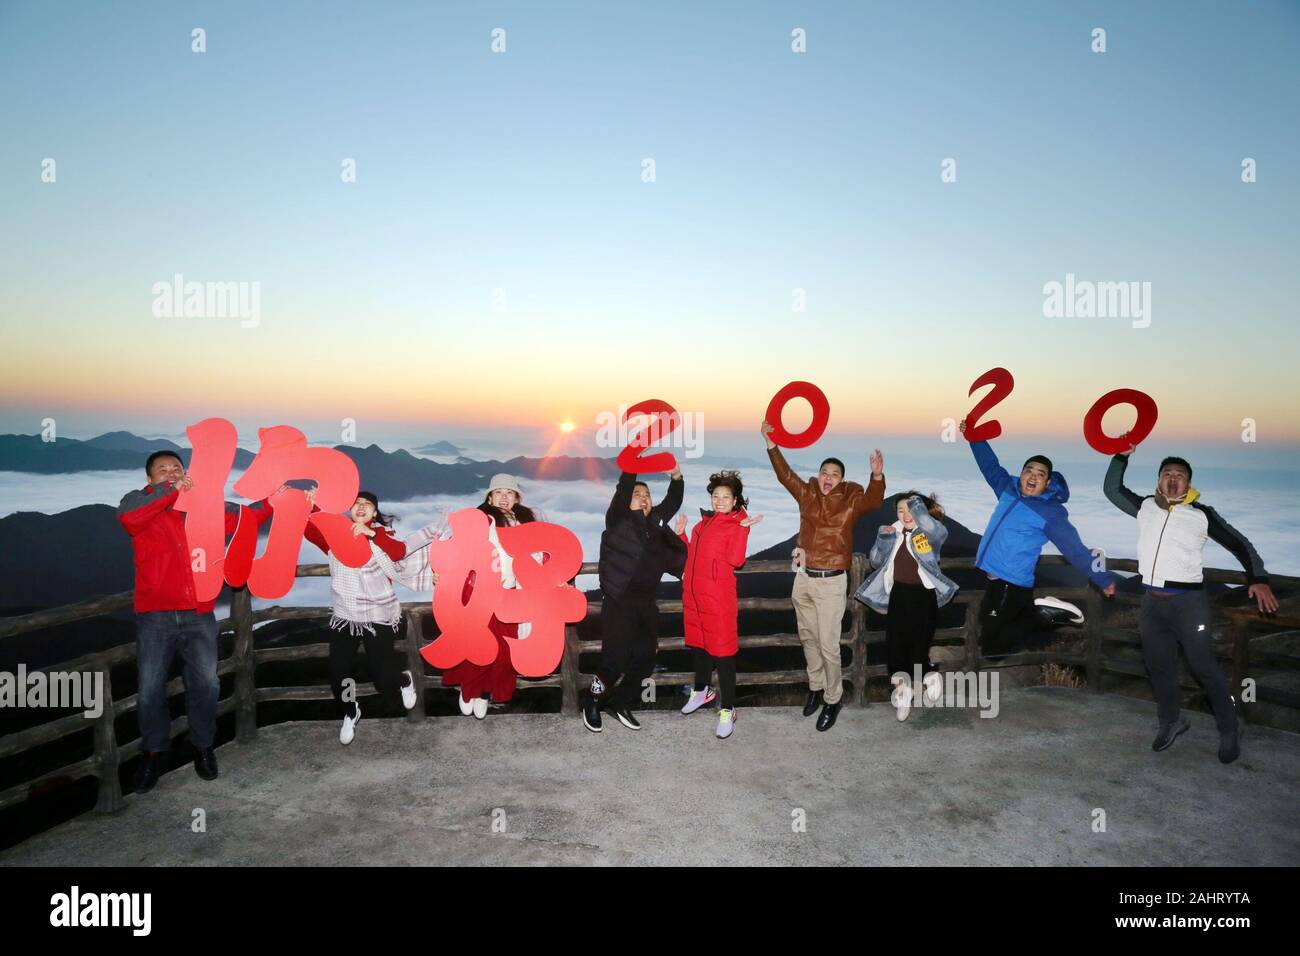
[[159, 635]]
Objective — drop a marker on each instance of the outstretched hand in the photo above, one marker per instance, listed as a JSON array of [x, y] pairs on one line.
[[766, 430], [750, 520], [877, 464], [680, 524], [1264, 598]]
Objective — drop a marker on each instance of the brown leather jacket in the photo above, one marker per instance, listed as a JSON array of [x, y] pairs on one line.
[[826, 521]]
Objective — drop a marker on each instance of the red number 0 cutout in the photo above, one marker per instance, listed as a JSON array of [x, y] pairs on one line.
[[821, 410], [666, 420], [1002, 383], [1147, 413]]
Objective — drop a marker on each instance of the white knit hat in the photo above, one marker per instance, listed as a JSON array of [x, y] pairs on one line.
[[505, 482]]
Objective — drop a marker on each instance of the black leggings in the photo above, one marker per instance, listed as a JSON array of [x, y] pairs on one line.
[[704, 664], [382, 660]]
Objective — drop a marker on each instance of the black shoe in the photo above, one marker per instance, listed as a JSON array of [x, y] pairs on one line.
[[591, 714], [826, 720], [205, 764], [146, 775], [626, 719], [1169, 733], [1230, 744], [812, 703]]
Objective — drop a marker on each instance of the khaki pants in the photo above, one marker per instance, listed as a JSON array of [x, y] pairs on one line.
[[819, 609]]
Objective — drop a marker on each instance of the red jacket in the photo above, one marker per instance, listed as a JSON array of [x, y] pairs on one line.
[[164, 580], [716, 549]]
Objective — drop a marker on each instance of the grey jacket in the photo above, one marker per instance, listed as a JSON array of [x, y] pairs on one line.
[[925, 545]]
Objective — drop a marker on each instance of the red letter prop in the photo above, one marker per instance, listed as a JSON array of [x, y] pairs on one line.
[[213, 441], [464, 623], [541, 598], [666, 420], [821, 410], [1146, 420], [284, 455], [1002, 383], [469, 593]]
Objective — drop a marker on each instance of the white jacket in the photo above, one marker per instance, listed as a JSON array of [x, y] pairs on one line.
[[1171, 541]]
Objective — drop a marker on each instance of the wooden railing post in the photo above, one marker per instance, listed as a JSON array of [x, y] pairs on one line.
[[569, 671], [106, 755], [972, 636], [858, 630], [241, 612], [1093, 628], [415, 664]]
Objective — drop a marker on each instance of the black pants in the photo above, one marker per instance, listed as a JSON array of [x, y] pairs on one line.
[[909, 628], [379, 657], [1184, 619], [704, 665], [1006, 617], [629, 640]]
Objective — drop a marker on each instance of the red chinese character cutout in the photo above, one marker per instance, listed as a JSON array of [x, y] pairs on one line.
[[463, 620], [542, 600], [213, 441], [284, 455]]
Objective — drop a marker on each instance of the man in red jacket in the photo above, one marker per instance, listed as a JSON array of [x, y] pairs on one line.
[[169, 618]]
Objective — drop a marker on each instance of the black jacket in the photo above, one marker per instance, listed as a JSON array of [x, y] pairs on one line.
[[629, 534]]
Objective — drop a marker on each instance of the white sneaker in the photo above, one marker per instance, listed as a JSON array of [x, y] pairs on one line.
[[901, 698], [349, 729], [1058, 611], [408, 692], [480, 707], [698, 699], [933, 682], [726, 723], [466, 707]]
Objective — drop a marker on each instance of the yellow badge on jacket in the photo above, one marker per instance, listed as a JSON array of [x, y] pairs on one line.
[[920, 543]]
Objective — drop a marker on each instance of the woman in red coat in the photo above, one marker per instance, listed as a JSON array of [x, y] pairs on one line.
[[714, 551]]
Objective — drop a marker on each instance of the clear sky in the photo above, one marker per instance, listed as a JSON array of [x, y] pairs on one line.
[[522, 172]]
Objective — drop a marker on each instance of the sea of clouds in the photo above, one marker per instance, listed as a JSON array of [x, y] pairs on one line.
[[1266, 513]]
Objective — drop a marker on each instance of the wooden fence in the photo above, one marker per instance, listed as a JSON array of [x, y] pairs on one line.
[[1236, 625]]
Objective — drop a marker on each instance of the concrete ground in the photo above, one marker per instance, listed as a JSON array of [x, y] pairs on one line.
[[946, 787]]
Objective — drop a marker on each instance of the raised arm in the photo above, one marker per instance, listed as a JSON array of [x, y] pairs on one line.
[[997, 476], [793, 483], [433, 531], [1063, 534], [1120, 496], [672, 499], [934, 529], [621, 503], [138, 508]]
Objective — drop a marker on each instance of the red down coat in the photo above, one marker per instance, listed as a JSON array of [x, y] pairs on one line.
[[715, 550]]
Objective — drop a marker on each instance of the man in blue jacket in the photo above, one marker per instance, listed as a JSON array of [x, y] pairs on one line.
[[1030, 512]]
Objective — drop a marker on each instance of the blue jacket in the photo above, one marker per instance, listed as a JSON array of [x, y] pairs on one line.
[[1020, 526]]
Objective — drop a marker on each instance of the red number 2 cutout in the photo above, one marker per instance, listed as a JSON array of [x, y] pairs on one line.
[[1002, 383], [665, 421]]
